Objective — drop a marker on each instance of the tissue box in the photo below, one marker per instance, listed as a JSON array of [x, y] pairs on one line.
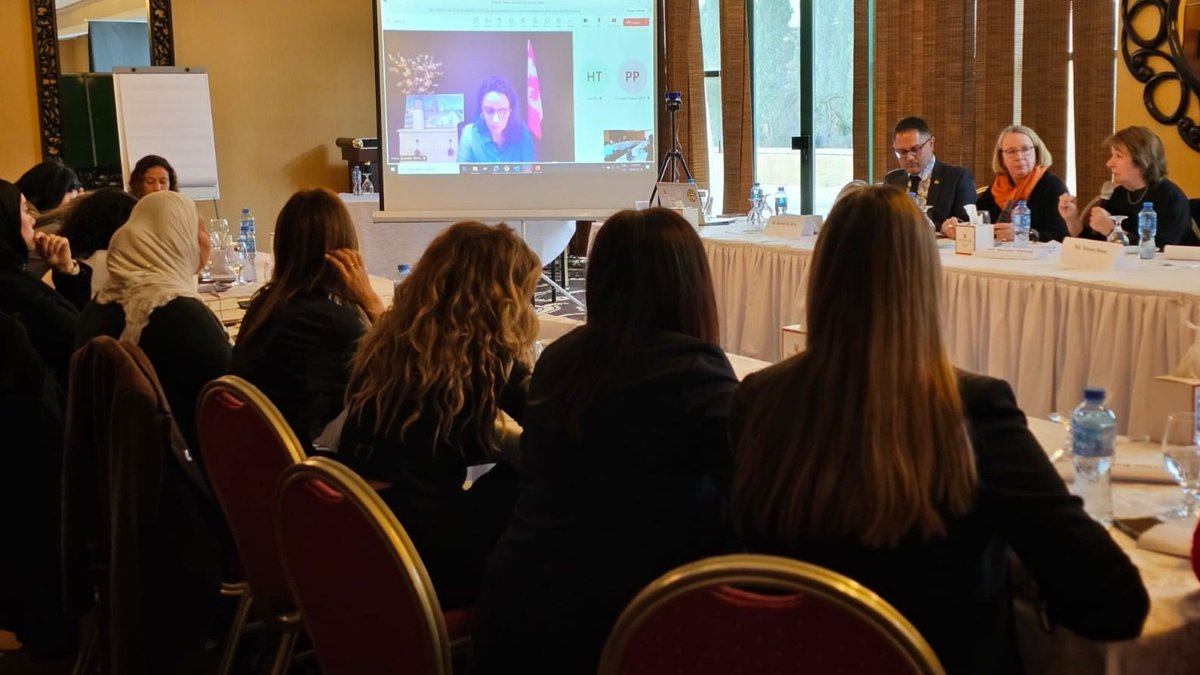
[[795, 340], [970, 238], [1167, 394]]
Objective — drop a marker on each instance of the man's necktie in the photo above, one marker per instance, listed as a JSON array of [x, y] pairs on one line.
[[914, 183]]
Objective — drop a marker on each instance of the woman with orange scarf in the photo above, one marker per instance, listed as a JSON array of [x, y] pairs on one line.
[[1020, 163]]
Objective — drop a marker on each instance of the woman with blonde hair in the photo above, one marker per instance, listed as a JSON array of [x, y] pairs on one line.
[[427, 385], [1020, 163], [1139, 171], [300, 330], [870, 455]]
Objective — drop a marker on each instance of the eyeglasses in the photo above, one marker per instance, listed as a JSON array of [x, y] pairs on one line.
[[914, 150], [502, 113], [1013, 152]]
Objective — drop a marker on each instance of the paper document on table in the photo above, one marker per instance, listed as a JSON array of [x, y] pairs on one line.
[[1134, 463], [1172, 538], [1177, 252]]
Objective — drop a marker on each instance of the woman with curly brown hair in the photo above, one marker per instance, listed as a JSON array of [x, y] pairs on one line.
[[426, 386], [152, 174]]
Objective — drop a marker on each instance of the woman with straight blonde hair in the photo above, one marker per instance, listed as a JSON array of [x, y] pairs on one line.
[[870, 455], [427, 384], [302, 326], [1021, 162]]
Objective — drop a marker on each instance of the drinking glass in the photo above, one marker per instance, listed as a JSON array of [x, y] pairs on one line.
[[1063, 448], [235, 260], [1118, 234], [220, 228], [1181, 455]]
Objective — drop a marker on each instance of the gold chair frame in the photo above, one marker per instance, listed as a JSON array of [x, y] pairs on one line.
[[289, 622], [340, 478], [774, 573]]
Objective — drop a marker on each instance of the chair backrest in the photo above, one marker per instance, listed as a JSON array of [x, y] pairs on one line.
[[366, 599], [136, 522], [246, 444], [762, 614]]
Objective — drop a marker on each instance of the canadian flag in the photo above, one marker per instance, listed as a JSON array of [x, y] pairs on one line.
[[533, 111]]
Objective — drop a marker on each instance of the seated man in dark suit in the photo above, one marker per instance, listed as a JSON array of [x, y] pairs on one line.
[[944, 187]]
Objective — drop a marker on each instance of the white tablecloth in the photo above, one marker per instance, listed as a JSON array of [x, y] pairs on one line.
[[387, 244], [1048, 331], [1170, 641]]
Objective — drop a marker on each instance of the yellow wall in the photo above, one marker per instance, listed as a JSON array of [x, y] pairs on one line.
[[280, 96], [1183, 163], [20, 142]]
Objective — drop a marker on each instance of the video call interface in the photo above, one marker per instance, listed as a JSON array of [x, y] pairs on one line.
[[489, 87]]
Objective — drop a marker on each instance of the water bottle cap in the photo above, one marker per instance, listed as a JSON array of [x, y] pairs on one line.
[[245, 212], [402, 268], [1146, 206], [1093, 394], [1020, 202]]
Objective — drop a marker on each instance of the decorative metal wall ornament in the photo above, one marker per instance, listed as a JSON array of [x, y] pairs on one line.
[[45, 64], [1144, 55]]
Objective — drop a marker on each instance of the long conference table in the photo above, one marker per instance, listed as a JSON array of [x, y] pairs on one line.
[[1170, 641], [1048, 331]]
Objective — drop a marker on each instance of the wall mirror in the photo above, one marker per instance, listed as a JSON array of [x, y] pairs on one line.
[[1160, 44], [64, 54]]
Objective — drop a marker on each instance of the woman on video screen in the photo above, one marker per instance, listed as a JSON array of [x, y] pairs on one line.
[[498, 135]]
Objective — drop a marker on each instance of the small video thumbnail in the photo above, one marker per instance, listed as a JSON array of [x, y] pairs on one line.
[[623, 145]]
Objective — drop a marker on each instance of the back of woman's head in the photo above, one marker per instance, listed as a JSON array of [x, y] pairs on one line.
[[872, 408], [91, 220], [648, 272], [311, 224], [159, 244], [456, 326], [46, 184]]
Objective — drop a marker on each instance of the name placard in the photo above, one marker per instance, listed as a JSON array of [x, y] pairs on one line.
[[1088, 254], [971, 238], [787, 226]]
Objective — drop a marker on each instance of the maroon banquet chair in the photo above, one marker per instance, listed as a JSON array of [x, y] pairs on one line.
[[246, 445], [755, 614], [367, 601]]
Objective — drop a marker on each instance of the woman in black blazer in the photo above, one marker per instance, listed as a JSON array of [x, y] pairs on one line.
[[301, 329], [868, 454]]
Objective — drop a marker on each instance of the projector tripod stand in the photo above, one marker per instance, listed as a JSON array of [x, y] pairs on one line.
[[674, 157]]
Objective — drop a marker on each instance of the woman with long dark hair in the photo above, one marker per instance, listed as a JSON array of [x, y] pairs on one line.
[[870, 455], [299, 333], [623, 457], [427, 385]]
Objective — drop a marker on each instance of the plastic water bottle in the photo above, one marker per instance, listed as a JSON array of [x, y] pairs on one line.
[[402, 272], [1147, 230], [356, 179], [248, 240], [1020, 225], [1093, 437], [780, 201]]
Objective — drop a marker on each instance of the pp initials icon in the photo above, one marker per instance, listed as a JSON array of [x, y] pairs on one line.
[[632, 76]]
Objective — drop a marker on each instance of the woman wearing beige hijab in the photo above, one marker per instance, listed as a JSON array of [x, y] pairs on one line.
[[150, 298]]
